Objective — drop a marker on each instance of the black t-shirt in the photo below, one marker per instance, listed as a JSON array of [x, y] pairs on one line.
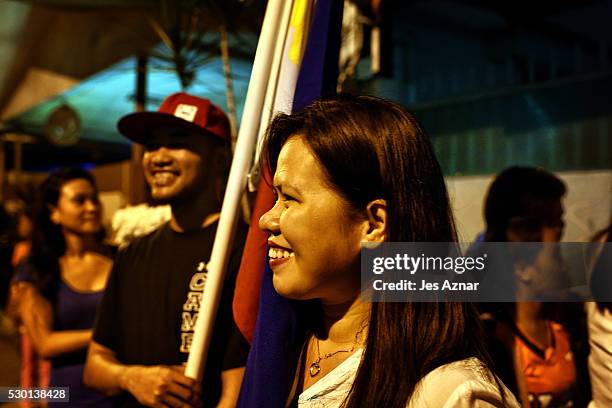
[[148, 311]]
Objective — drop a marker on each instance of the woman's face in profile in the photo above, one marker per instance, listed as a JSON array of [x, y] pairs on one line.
[[78, 208], [314, 237]]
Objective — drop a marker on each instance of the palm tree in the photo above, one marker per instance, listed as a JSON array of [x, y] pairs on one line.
[[183, 26]]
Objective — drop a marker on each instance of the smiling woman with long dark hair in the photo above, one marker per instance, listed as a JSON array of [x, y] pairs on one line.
[[65, 275], [353, 170]]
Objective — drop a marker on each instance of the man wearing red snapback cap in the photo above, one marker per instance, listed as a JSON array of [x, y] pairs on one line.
[[145, 323]]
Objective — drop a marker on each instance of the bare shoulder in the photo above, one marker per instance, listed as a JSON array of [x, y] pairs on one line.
[[32, 304], [29, 294]]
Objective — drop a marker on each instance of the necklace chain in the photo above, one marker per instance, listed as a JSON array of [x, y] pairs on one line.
[[315, 367]]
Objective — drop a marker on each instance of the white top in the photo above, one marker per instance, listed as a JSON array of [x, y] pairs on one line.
[[461, 384], [600, 357]]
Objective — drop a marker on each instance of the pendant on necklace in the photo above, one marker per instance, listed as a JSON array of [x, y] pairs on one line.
[[314, 369]]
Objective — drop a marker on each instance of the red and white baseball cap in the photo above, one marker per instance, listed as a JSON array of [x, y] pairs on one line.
[[179, 110]]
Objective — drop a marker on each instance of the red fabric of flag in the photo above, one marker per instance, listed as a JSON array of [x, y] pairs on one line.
[[248, 282]]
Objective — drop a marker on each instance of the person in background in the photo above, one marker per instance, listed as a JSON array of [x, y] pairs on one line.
[[64, 277], [21, 215], [535, 353], [34, 369], [600, 323], [354, 170], [146, 323], [6, 249]]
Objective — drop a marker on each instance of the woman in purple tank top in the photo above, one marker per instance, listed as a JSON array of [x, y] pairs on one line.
[[66, 274]]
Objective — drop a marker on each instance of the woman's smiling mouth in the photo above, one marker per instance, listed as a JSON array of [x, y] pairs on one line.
[[278, 256]]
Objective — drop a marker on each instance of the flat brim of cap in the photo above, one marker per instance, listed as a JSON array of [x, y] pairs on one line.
[[138, 126]]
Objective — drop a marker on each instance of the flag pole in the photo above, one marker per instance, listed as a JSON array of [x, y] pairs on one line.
[[271, 89], [283, 77], [292, 37], [235, 187]]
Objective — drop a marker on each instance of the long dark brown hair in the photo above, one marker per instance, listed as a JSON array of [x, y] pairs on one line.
[[48, 243], [371, 148]]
